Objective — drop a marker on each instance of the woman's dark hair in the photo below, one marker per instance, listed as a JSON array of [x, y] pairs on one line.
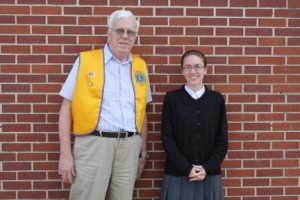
[[196, 53]]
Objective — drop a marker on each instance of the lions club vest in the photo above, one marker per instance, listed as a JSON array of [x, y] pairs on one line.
[[88, 91]]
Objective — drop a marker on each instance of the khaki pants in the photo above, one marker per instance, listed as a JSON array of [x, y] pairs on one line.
[[106, 168]]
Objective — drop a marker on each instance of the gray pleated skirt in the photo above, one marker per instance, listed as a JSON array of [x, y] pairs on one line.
[[180, 188]]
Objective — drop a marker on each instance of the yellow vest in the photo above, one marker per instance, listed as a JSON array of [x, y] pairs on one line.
[[88, 91]]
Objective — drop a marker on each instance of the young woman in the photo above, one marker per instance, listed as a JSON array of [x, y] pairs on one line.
[[194, 136]]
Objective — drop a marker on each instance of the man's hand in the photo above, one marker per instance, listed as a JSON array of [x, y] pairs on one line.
[[66, 168], [142, 163], [143, 154]]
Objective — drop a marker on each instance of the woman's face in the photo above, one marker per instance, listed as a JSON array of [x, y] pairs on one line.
[[193, 70]]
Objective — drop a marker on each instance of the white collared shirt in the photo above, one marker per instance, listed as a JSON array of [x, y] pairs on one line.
[[118, 103], [195, 95]]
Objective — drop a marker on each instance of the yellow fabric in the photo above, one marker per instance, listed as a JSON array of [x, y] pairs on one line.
[[140, 83], [88, 90]]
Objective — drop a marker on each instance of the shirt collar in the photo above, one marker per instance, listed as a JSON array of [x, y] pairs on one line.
[[108, 55], [197, 94]]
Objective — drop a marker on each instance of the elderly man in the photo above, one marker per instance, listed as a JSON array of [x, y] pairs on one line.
[[104, 105]]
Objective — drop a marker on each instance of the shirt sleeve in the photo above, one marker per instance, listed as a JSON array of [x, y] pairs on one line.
[[149, 95], [68, 87]]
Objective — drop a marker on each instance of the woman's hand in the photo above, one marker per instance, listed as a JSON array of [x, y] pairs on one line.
[[197, 173]]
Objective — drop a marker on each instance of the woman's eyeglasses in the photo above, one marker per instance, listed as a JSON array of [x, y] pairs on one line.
[[189, 68]]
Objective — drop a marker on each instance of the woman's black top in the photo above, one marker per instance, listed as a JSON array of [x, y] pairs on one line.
[[194, 132]]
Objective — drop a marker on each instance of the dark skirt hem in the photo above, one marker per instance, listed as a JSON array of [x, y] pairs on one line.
[[180, 188]]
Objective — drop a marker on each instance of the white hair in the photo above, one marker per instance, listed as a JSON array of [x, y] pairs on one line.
[[122, 14]]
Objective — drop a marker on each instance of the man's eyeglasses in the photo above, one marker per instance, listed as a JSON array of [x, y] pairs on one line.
[[189, 68], [121, 31]]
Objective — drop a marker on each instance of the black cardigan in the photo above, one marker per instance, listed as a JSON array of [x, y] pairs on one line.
[[194, 132]]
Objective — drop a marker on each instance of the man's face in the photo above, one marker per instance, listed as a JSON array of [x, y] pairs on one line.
[[121, 37]]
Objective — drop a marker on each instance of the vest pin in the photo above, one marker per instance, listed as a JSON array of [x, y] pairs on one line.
[[91, 74]]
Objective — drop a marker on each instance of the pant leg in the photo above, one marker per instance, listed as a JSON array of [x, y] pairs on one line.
[[125, 168], [93, 164]]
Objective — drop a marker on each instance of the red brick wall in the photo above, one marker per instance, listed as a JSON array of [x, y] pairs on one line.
[[253, 50]]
